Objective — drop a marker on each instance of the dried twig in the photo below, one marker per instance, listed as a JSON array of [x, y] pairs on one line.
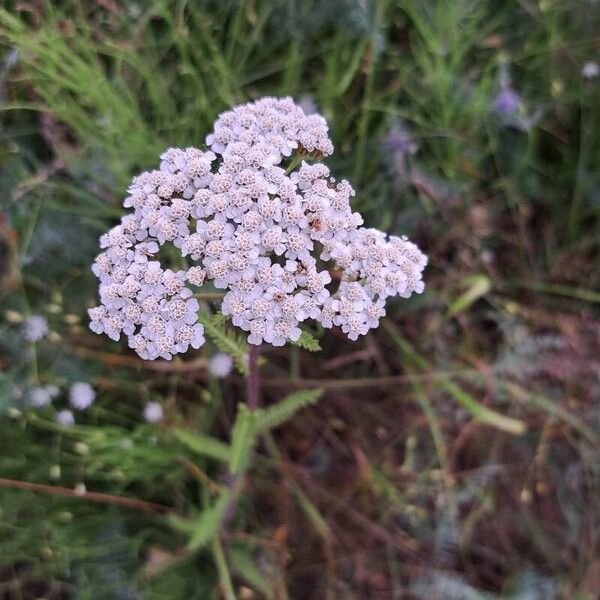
[[134, 503], [161, 366], [347, 359], [369, 382]]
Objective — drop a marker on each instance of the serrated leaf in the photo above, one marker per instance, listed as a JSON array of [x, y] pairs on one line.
[[227, 341], [308, 341], [279, 413], [206, 524], [204, 444], [219, 318], [243, 437]]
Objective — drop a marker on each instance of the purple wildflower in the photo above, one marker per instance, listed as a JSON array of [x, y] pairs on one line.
[[399, 142], [507, 102]]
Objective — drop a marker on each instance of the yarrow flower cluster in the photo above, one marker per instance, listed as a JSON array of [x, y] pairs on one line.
[[256, 230]]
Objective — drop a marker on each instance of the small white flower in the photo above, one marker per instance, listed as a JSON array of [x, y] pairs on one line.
[[65, 418], [35, 328], [81, 395], [153, 412], [220, 365], [590, 70], [42, 395]]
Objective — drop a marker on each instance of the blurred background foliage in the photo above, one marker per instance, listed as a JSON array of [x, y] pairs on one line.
[[455, 452]]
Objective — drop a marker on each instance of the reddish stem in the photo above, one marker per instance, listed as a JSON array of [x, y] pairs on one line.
[[134, 503], [253, 380]]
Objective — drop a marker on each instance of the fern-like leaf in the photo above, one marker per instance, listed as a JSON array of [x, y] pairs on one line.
[[279, 413], [243, 437], [227, 341], [206, 524], [308, 341], [204, 444]]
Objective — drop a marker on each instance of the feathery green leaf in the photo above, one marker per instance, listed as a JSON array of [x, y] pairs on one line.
[[279, 413], [204, 444], [206, 524], [308, 341], [243, 437], [227, 341]]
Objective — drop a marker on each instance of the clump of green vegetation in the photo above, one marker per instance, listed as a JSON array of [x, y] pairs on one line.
[[453, 452]]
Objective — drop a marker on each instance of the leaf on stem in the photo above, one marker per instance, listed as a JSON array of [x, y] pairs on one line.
[[204, 444]]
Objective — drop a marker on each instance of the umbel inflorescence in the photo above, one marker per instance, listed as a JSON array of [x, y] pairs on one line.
[[260, 231]]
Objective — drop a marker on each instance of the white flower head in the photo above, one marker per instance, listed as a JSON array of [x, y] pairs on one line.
[[42, 395], [153, 412], [35, 328], [81, 395], [220, 365], [252, 228], [590, 70], [65, 418]]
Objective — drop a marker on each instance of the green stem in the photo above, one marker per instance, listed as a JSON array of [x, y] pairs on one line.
[[223, 569], [296, 160]]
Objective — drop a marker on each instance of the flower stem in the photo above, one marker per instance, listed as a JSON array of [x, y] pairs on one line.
[[295, 161], [253, 379], [223, 569]]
